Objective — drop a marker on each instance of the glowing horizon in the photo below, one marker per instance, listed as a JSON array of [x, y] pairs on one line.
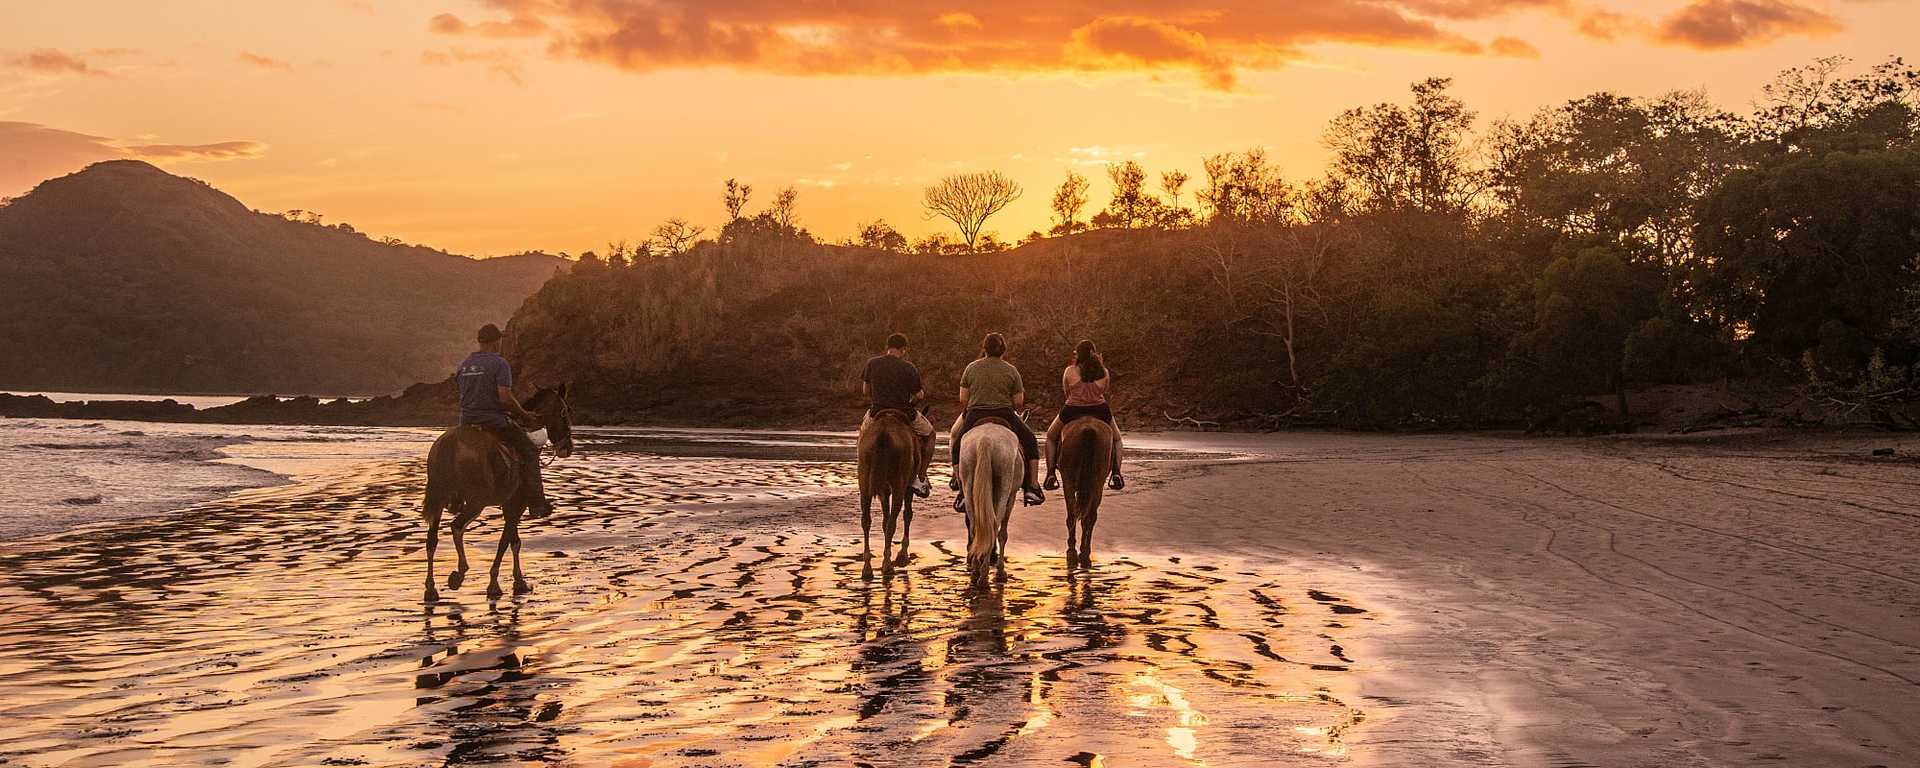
[[499, 126]]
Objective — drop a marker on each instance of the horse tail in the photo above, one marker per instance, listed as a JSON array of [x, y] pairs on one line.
[[1091, 449], [983, 503]]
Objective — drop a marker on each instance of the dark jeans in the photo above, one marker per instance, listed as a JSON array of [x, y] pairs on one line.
[[1029, 444], [1103, 412], [522, 446]]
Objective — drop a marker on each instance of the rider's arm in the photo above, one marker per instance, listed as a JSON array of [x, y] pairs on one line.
[[512, 403], [866, 390], [963, 396], [1019, 400]]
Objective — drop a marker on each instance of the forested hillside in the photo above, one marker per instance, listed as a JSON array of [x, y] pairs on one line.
[[124, 278], [1442, 271]]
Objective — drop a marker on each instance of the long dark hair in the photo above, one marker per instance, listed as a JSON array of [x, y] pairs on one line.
[[994, 345], [1090, 368]]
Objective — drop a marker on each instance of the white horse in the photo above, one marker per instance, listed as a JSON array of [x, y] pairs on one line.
[[991, 470]]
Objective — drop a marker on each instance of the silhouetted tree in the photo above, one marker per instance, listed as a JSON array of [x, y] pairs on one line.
[[1131, 206], [969, 199], [1414, 157], [676, 236], [1069, 199], [735, 199], [881, 237]]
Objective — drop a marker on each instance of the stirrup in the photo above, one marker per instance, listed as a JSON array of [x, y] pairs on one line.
[[959, 503], [1052, 483], [1033, 496]]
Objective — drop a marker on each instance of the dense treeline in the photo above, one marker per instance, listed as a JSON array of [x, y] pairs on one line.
[[122, 277], [1439, 272]]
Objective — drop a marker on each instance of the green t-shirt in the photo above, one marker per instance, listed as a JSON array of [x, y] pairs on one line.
[[991, 383]]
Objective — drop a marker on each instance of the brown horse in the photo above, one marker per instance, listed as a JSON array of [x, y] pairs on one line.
[[889, 458], [468, 470], [1086, 458]]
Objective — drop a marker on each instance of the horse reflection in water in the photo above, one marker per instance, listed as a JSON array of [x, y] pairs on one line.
[[487, 694]]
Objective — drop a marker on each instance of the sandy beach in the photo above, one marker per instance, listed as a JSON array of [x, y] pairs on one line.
[[1292, 599]]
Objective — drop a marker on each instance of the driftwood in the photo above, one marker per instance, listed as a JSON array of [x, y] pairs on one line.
[[1189, 420]]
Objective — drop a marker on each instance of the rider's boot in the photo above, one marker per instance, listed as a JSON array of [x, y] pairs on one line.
[[1052, 483], [1115, 481], [1030, 493], [920, 487]]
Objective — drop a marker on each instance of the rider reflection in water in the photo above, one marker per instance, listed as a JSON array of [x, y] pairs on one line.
[[486, 397]]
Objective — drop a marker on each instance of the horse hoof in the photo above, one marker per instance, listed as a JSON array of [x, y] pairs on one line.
[[521, 587], [455, 579], [431, 596], [901, 561], [866, 573], [493, 591]]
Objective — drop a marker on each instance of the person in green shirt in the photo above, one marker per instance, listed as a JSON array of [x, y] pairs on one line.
[[991, 386]]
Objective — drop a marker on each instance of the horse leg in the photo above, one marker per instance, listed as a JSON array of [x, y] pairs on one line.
[[433, 540], [1088, 517], [906, 527], [889, 510], [1073, 516], [1000, 551], [493, 574], [520, 585], [462, 517], [866, 534]]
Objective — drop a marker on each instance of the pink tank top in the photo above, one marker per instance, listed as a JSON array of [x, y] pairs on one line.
[[1084, 392]]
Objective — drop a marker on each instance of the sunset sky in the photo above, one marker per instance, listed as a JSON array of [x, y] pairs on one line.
[[497, 126]]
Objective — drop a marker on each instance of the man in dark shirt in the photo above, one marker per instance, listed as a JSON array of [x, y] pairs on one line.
[[892, 383], [486, 399]]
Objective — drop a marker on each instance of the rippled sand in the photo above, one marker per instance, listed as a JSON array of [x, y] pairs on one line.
[[687, 610]]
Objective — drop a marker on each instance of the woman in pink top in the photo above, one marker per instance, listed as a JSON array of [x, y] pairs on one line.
[[1086, 382]]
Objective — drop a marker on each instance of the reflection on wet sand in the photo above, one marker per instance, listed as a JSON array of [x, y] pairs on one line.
[[280, 627]]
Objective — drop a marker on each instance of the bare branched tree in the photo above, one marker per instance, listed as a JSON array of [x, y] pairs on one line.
[[1068, 201], [969, 199], [735, 199], [676, 236], [782, 210]]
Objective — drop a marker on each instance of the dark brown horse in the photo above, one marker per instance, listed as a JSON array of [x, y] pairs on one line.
[[468, 470], [1086, 458], [889, 458]]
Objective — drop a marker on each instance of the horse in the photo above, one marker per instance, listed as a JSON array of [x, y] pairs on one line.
[[889, 459], [991, 469], [1086, 458], [468, 470]]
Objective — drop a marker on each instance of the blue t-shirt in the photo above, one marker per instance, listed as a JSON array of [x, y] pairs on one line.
[[480, 375]]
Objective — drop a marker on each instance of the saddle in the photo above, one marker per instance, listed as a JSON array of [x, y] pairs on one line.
[[1000, 420], [905, 417], [500, 447]]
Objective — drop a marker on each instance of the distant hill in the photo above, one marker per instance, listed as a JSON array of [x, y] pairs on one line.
[[122, 277]]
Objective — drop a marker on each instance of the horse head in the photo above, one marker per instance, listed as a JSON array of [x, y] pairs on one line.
[[549, 405]]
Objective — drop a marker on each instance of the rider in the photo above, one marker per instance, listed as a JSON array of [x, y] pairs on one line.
[[892, 383], [1085, 381], [991, 386], [486, 399]]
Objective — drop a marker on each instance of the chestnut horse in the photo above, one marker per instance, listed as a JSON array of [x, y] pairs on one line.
[[468, 470], [889, 457], [1086, 458]]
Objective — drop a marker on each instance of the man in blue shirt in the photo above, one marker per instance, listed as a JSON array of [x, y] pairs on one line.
[[486, 399]]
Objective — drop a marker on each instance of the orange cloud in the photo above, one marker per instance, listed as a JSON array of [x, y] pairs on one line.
[[264, 62], [1717, 24], [225, 150], [57, 62], [1514, 47], [862, 37], [31, 153], [499, 62]]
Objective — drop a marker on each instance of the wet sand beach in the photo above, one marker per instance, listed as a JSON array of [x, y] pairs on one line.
[[1255, 600]]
